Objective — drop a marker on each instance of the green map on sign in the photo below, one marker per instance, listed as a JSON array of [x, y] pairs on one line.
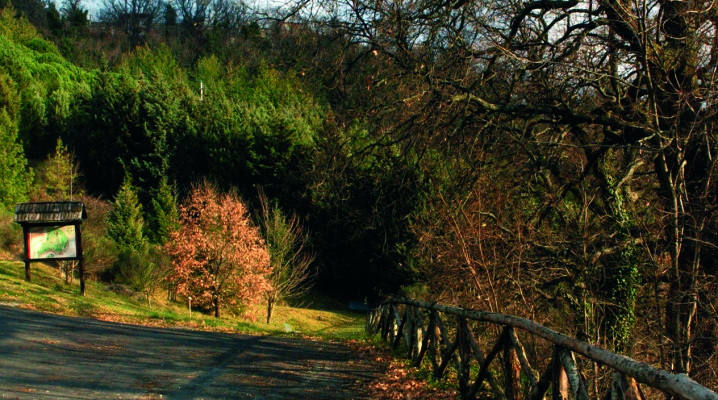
[[52, 242], [55, 243]]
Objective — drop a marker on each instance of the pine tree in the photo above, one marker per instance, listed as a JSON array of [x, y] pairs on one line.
[[62, 174], [15, 177], [163, 218], [124, 222]]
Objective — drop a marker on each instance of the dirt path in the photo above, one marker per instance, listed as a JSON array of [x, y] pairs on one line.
[[46, 356]]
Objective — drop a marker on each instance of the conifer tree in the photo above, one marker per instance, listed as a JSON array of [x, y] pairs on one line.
[[15, 177], [163, 216], [62, 174], [124, 222]]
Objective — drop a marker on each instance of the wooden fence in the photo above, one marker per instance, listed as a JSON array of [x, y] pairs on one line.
[[425, 333]]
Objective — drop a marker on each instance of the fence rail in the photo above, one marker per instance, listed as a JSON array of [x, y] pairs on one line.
[[423, 331]]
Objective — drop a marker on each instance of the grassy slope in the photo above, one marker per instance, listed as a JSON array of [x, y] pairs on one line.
[[48, 292]]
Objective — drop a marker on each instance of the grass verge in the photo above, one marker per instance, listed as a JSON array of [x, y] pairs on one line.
[[48, 292]]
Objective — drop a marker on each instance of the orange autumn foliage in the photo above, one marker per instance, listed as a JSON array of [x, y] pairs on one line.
[[218, 256]]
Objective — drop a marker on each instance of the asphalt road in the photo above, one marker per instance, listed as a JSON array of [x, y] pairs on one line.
[[45, 356]]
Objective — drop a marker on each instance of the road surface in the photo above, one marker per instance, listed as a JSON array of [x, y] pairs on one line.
[[44, 356]]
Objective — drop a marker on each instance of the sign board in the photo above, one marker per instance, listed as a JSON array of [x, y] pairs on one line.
[[46, 242], [51, 231]]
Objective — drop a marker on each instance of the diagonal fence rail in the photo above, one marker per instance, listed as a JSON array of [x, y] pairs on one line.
[[421, 327]]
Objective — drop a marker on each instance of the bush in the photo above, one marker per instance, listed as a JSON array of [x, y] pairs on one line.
[[143, 271], [10, 233]]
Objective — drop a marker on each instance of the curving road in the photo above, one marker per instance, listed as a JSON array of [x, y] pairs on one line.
[[44, 356]]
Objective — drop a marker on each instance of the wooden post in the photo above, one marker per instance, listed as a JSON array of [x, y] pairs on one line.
[[418, 334], [465, 357], [26, 246], [80, 255], [523, 360], [578, 388], [512, 369], [427, 336], [434, 339], [560, 380], [624, 387]]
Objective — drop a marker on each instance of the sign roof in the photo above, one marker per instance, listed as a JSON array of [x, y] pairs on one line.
[[50, 211]]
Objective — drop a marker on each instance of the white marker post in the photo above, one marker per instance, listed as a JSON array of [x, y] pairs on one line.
[[189, 305]]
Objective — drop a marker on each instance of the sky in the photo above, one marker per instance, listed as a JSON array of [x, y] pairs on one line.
[[91, 5]]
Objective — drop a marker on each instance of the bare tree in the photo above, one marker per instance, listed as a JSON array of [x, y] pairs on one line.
[[199, 15], [291, 274], [134, 17], [611, 104]]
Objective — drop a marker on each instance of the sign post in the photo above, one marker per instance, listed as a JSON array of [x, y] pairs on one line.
[[52, 231]]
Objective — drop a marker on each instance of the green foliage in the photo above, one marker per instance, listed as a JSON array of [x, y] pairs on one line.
[[124, 222], [253, 126], [61, 175], [46, 89], [76, 16], [16, 29], [15, 177], [144, 272], [624, 281], [10, 232], [127, 124], [163, 218]]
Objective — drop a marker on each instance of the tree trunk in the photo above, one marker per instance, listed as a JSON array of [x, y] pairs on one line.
[[216, 307], [270, 308]]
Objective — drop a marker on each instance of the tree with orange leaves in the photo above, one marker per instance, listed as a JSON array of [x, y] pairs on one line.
[[218, 256]]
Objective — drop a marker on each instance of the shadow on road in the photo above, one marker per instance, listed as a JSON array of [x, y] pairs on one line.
[[50, 356]]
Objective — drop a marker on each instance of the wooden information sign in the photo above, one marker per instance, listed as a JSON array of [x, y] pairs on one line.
[[52, 231]]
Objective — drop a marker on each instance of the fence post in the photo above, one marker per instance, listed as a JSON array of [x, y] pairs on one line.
[[560, 380], [418, 334], [385, 320], [464, 358], [512, 369]]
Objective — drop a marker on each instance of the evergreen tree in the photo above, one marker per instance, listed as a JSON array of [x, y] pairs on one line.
[[62, 173], [15, 177], [54, 19], [124, 222], [163, 216]]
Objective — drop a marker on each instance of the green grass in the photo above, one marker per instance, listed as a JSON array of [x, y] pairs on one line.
[[315, 316]]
